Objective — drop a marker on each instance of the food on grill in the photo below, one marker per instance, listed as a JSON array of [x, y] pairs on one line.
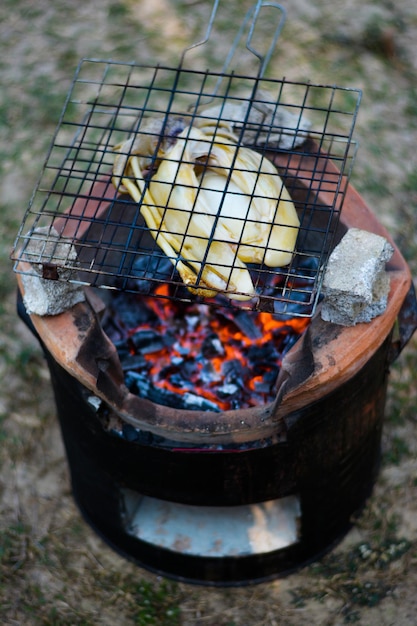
[[245, 189], [211, 205]]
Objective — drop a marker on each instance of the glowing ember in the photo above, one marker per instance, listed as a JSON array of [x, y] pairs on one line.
[[197, 356]]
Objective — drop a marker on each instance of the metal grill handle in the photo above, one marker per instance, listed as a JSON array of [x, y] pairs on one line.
[[251, 18]]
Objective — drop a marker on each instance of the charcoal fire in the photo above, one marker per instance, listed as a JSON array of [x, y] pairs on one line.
[[197, 356]]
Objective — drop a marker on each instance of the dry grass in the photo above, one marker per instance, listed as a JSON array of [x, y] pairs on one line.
[[53, 569]]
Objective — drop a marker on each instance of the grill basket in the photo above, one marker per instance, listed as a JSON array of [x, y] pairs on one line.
[[300, 127]]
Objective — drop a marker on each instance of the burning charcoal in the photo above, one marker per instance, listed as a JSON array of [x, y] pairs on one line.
[[147, 340], [180, 375], [260, 386], [208, 375], [149, 267], [227, 390], [130, 361], [289, 296], [140, 384], [190, 369], [307, 265], [177, 380], [176, 377], [192, 321], [265, 353], [182, 351], [264, 384], [297, 306], [288, 339], [243, 321], [269, 282], [195, 315], [176, 360], [212, 347], [127, 312], [194, 402], [271, 375], [115, 332], [191, 346], [234, 372]]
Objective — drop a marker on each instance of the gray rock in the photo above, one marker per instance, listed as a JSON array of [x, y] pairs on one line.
[[44, 296], [356, 284]]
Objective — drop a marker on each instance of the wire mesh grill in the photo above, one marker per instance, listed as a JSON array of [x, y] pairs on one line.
[[83, 225]]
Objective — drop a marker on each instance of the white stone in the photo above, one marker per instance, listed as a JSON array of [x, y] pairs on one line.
[[46, 296], [356, 283]]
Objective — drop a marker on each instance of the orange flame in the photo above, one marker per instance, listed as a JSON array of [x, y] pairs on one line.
[[206, 375]]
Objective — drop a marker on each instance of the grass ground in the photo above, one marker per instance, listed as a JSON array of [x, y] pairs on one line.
[[53, 569]]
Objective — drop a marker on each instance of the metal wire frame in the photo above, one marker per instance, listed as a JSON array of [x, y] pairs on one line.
[[75, 201]]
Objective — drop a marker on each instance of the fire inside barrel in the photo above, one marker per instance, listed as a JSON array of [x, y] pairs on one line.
[[198, 356]]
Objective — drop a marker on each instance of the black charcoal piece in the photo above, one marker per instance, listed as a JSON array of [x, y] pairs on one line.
[[149, 267], [130, 361], [212, 347], [147, 340], [227, 390], [140, 384], [234, 372], [243, 321], [259, 354]]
